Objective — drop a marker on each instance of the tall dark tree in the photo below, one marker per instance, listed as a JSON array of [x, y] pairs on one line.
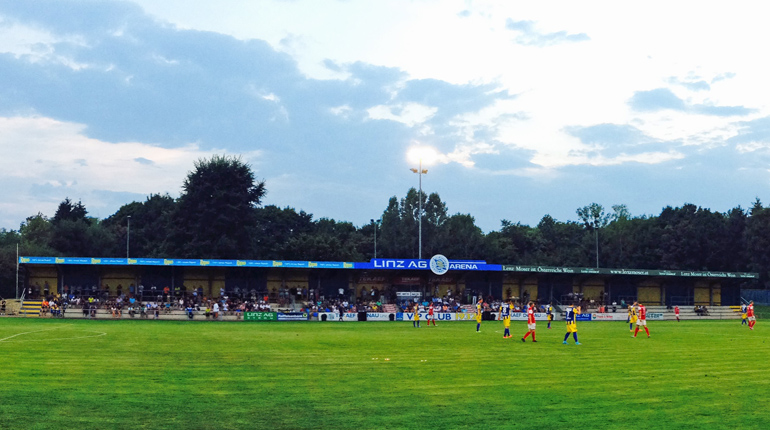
[[275, 228], [328, 241], [757, 240], [150, 223], [214, 216], [69, 211], [8, 243], [76, 234], [563, 243], [392, 241], [594, 218], [459, 238]]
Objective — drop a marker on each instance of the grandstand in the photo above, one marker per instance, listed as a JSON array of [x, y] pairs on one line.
[[381, 285]]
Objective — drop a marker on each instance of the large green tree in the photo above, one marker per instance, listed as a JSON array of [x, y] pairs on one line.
[[214, 216], [149, 225]]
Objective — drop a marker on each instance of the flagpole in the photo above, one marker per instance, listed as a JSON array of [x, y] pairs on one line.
[[17, 271]]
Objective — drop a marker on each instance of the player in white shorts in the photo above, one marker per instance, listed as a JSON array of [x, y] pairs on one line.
[[530, 322]]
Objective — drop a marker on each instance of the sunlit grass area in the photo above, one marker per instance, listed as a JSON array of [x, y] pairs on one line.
[[199, 375]]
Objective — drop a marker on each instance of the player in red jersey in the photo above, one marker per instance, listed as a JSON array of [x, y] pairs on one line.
[[676, 312], [642, 321], [431, 316], [750, 314], [530, 322]]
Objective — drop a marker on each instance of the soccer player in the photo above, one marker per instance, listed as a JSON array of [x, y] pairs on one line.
[[676, 312], [549, 311], [431, 316], [531, 322], [570, 316], [479, 310], [505, 315], [631, 317], [750, 313], [743, 315], [642, 321], [416, 320]]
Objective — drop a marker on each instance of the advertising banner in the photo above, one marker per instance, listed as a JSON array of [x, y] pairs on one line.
[[655, 316], [616, 316], [583, 317], [328, 316], [408, 294], [293, 316], [353, 316], [520, 316], [439, 316], [382, 263], [259, 316]]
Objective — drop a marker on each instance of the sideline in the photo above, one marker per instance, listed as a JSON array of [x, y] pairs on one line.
[[34, 331], [98, 334]]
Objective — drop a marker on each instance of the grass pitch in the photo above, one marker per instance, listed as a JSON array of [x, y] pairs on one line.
[[205, 375]]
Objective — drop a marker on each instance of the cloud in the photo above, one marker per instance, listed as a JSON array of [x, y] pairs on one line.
[[663, 98], [614, 144], [46, 160], [722, 77], [692, 85], [528, 35], [655, 100], [721, 110], [752, 135], [149, 98]]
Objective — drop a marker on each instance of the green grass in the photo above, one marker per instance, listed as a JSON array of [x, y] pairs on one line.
[[204, 375]]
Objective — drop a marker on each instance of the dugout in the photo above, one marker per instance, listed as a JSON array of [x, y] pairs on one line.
[[384, 280]]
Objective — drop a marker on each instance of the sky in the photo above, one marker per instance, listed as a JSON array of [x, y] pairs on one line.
[[530, 108]]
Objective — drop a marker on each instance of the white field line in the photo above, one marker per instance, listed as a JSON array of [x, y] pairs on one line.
[[34, 331]]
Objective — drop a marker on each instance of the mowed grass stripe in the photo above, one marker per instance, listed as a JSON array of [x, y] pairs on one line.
[[160, 374]]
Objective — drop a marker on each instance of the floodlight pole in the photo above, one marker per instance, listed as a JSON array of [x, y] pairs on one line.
[[375, 236], [419, 229], [17, 271], [596, 240], [419, 171], [128, 237]]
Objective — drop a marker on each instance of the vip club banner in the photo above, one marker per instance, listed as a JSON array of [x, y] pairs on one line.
[[260, 316], [438, 316]]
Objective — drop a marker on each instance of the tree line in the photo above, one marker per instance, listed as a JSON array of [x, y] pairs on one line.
[[219, 215]]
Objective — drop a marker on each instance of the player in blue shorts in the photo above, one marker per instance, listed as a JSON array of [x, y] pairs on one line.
[[570, 316]]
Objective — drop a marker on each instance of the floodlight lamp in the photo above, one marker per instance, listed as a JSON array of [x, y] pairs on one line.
[[422, 154]]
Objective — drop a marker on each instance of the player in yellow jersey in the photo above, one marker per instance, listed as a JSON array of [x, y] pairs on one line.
[[549, 311], [416, 319], [570, 316], [631, 317], [479, 310], [505, 315]]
